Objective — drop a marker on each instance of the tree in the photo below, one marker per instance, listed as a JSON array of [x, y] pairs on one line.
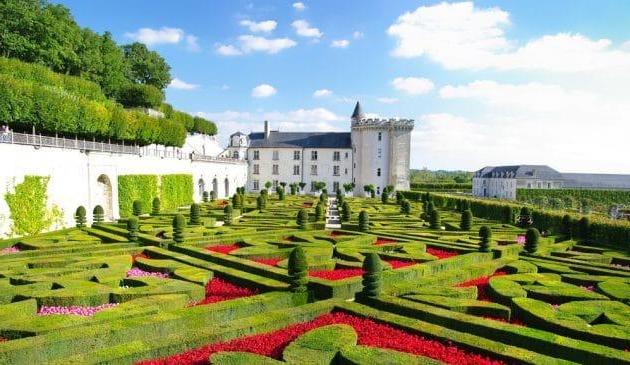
[[227, 215], [364, 221], [80, 216], [319, 186], [280, 192], [179, 222], [532, 236], [195, 211], [302, 218], [319, 212], [132, 229], [137, 208], [98, 214], [405, 207], [297, 270], [146, 67], [237, 201], [260, 201], [156, 205], [369, 189], [385, 197], [302, 186], [345, 212], [348, 187], [466, 221], [434, 219], [293, 188], [372, 270], [485, 233], [525, 218]]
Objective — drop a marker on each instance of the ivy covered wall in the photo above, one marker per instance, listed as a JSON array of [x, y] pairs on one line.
[[174, 190], [28, 208]]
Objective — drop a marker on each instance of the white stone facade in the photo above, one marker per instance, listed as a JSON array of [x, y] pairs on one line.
[[502, 182]]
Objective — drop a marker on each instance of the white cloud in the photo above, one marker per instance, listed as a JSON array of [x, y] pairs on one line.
[[299, 6], [152, 37], [357, 35], [322, 93], [251, 43], [413, 85], [192, 43], [340, 43], [181, 85], [263, 91], [460, 36], [264, 26], [385, 100], [304, 29]]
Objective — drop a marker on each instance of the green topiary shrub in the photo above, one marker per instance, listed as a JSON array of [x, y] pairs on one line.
[[364, 221], [195, 212], [98, 214], [139, 95], [485, 233], [565, 227], [532, 236], [176, 190], [213, 196], [137, 208], [227, 215], [28, 206], [136, 187], [293, 188], [405, 207], [205, 196], [372, 268], [508, 215], [156, 206], [302, 218], [237, 201], [525, 218], [319, 212], [466, 221], [80, 216], [385, 197], [132, 229], [281, 194], [434, 219], [584, 228], [260, 201], [399, 197], [179, 222], [346, 213], [297, 270]]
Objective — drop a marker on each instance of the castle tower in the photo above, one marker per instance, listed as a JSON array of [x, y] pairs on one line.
[[381, 150]]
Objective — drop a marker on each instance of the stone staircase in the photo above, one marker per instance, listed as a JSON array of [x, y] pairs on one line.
[[333, 220]]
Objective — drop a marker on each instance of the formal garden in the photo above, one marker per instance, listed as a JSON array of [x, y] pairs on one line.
[[412, 278]]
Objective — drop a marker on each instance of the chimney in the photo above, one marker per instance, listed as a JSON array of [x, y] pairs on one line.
[[267, 131]]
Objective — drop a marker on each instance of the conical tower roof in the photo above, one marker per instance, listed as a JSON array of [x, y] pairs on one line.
[[358, 112]]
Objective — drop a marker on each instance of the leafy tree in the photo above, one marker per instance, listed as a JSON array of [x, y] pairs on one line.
[[297, 270], [179, 222], [132, 229], [227, 215], [146, 67], [156, 206], [195, 212], [364, 221], [434, 219], [348, 187], [532, 237], [302, 186], [405, 207], [370, 189], [485, 233], [80, 216], [373, 269], [293, 188], [345, 212], [268, 185], [319, 186], [302, 218], [142, 96], [466, 221], [137, 208], [98, 214]]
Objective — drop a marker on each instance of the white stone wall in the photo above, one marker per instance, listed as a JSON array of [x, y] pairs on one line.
[[90, 178], [371, 154], [505, 188]]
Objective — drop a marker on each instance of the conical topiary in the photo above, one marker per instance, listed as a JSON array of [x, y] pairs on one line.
[[372, 269], [237, 201], [297, 270], [205, 196], [345, 212], [213, 195], [532, 236], [508, 215], [80, 216], [98, 214], [319, 212], [179, 222], [364, 221], [385, 197], [302, 218], [227, 215], [132, 229], [137, 208], [466, 221], [405, 207], [485, 233], [565, 227], [260, 201], [584, 228], [434, 219], [156, 206], [195, 212]]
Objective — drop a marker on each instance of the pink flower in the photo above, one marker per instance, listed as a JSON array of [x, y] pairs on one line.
[[139, 273], [74, 310], [12, 249], [520, 239]]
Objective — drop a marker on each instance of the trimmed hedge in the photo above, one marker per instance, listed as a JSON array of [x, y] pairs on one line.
[[176, 190], [136, 187]]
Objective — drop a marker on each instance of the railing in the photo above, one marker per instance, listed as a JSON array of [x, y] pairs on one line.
[[38, 141]]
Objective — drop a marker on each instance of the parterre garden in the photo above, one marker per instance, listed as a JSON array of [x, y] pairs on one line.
[[259, 280]]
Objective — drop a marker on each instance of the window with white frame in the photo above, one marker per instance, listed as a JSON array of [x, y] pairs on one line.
[[275, 184], [256, 155], [296, 169], [276, 156], [346, 155], [378, 172], [256, 185], [235, 154], [312, 185], [336, 170], [380, 136], [313, 155], [275, 169], [313, 169], [380, 152], [296, 155], [345, 171], [335, 186], [336, 156], [256, 169]]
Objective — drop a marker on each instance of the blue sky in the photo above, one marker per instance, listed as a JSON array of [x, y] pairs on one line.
[[489, 82]]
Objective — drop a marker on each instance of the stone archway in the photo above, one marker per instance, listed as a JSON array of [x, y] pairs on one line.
[[104, 196], [215, 188], [202, 187], [227, 188]]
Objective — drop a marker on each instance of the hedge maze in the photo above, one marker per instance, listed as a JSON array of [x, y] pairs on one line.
[[260, 280]]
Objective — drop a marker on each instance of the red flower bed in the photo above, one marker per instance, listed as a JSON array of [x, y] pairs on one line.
[[270, 261], [307, 205], [135, 257], [397, 264], [337, 234], [441, 254], [224, 249], [383, 241], [218, 290], [370, 333], [336, 274], [482, 285]]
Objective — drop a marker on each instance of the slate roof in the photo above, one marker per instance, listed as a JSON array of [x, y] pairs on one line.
[[301, 140], [520, 171], [596, 181], [358, 112]]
